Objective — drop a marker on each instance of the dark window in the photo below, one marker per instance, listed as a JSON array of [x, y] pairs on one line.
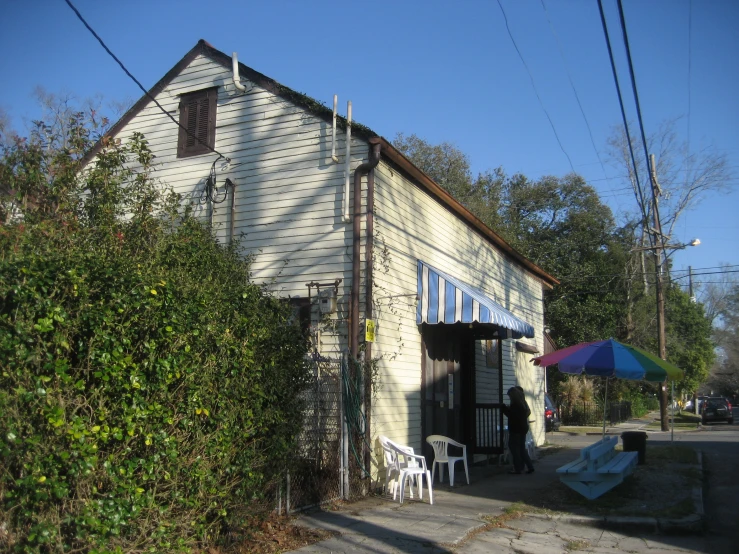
[[302, 311], [198, 116]]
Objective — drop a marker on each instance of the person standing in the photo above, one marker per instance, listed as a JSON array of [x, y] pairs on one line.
[[518, 426]]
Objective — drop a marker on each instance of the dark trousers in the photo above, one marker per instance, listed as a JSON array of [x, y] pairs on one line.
[[517, 444]]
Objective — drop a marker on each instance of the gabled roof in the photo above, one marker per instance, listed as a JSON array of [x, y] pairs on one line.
[[389, 152]]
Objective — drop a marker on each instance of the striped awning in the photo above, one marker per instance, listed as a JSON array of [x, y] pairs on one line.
[[445, 299]]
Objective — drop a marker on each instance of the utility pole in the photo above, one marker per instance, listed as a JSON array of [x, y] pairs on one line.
[[692, 299], [659, 246]]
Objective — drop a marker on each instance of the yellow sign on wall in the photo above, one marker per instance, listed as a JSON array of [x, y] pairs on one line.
[[369, 330]]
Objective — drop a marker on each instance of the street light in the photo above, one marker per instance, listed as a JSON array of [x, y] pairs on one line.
[[694, 242]]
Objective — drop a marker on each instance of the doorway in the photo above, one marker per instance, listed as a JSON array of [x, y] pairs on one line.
[[448, 383], [449, 397]]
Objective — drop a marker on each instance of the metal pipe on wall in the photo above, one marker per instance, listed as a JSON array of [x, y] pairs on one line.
[[235, 67], [348, 161], [232, 186], [334, 157], [356, 242], [368, 312]]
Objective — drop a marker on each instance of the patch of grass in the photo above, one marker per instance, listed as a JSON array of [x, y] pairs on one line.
[[673, 453], [576, 545], [683, 420], [692, 474], [515, 511], [580, 430], [680, 509], [678, 426]]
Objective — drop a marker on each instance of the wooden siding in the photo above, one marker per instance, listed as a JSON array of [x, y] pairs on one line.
[[288, 194], [288, 191], [411, 225]]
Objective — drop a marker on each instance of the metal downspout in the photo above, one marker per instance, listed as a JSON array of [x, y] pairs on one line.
[[233, 211], [356, 242], [369, 242]]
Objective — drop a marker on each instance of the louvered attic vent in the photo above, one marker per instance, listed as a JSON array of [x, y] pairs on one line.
[[198, 116]]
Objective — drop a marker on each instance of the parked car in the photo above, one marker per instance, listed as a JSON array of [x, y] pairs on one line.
[[689, 404], [716, 409], [551, 416]]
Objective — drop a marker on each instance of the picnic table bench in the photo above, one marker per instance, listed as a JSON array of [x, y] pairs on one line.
[[598, 469]]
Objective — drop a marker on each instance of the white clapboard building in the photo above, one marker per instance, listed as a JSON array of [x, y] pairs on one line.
[[457, 312]]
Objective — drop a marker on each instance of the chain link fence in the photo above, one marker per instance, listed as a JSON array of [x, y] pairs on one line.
[[317, 477]]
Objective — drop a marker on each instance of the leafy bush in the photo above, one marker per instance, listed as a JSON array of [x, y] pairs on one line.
[[147, 388]]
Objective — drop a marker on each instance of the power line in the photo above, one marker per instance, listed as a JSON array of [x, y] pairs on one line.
[[633, 82], [574, 90], [146, 92], [638, 193], [696, 271], [706, 268], [690, 63], [533, 84], [708, 273]]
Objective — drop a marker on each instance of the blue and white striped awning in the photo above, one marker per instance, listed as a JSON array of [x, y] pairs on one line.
[[444, 299]]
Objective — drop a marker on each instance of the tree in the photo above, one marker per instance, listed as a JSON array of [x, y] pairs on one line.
[[150, 393], [449, 167], [7, 133], [686, 175], [725, 373], [689, 344], [715, 295]]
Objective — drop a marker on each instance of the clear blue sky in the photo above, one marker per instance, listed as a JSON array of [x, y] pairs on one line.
[[446, 71]]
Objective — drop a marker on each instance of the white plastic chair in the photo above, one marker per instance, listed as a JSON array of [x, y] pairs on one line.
[[392, 471], [393, 465], [412, 466], [441, 444]]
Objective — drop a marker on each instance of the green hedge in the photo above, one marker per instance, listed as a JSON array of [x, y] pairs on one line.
[[148, 389]]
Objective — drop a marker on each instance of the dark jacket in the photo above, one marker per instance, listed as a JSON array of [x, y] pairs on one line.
[[518, 413]]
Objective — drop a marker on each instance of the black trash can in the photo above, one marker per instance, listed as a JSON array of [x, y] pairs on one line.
[[636, 441]]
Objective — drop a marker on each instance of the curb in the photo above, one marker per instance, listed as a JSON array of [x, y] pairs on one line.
[[694, 524]]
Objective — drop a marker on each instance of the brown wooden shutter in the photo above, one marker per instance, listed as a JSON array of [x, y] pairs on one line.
[[198, 117]]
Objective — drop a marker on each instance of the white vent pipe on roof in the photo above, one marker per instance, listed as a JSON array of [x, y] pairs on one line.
[[237, 79], [334, 157], [347, 169]]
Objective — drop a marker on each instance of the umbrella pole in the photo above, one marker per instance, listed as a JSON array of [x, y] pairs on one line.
[[672, 423], [605, 401]]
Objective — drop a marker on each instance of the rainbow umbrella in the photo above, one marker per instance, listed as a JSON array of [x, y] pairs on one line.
[[610, 358]]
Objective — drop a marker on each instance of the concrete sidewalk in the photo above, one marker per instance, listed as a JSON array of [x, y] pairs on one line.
[[383, 525], [458, 521]]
